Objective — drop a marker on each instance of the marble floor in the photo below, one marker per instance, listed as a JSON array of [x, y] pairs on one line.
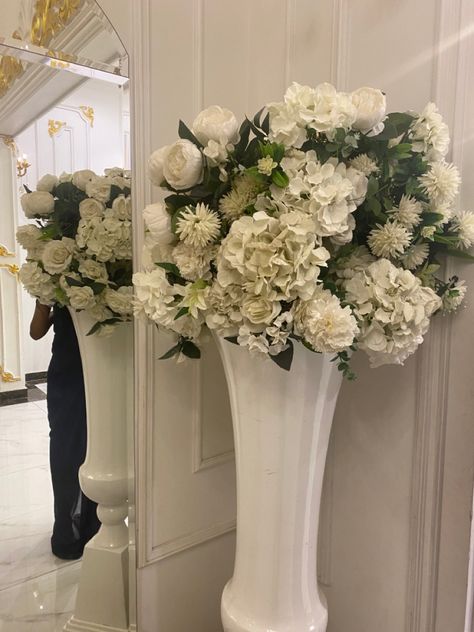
[[37, 590]]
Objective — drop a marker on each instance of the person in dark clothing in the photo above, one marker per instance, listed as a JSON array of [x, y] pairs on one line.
[[75, 516]]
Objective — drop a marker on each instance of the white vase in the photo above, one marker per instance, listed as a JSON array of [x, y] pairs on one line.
[[107, 364], [282, 422]]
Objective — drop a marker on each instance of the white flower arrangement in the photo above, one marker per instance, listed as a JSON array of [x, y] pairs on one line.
[[320, 221], [79, 249]]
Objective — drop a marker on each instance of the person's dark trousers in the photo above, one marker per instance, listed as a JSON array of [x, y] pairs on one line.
[[75, 516]]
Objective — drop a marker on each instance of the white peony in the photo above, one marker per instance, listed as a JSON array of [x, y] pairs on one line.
[[37, 203], [120, 301], [183, 165], [371, 106], [90, 208], [57, 255], [155, 165], [28, 236], [80, 179], [324, 323], [99, 187], [122, 207], [80, 297], [47, 183], [216, 124], [158, 222]]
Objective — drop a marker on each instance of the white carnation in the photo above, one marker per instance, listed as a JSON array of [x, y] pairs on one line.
[[324, 323]]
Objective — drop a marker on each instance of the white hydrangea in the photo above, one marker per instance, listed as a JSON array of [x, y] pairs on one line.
[[357, 260], [279, 256], [324, 323], [430, 134], [393, 310], [224, 314]]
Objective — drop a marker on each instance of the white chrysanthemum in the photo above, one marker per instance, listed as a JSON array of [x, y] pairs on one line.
[[430, 134], [393, 310], [389, 240], [198, 226], [276, 255], [463, 225], [454, 296], [244, 191], [365, 164], [415, 256], [441, 182], [428, 232], [408, 212], [324, 323]]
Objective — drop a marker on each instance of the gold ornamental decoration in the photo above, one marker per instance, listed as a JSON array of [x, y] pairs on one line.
[[49, 19], [12, 268], [9, 141], [4, 252], [88, 113], [54, 127], [8, 377]]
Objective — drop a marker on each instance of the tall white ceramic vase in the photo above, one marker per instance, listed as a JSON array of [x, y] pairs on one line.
[[107, 363], [282, 422]]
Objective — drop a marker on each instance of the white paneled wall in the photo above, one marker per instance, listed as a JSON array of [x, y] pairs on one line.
[[395, 533], [80, 143]]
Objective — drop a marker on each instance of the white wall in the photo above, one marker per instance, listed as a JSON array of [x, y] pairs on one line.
[[78, 145], [396, 524]]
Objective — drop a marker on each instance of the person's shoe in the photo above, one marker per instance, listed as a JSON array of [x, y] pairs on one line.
[[71, 555]]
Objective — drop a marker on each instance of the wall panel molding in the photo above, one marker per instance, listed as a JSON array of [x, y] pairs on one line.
[[448, 92], [340, 44]]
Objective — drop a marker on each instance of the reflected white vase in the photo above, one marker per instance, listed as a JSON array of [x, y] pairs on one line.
[[107, 364], [282, 422]]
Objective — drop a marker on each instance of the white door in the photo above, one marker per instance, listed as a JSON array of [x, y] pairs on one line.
[[395, 532]]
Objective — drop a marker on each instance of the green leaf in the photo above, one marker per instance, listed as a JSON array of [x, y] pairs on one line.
[[182, 312], [431, 218], [169, 267], [232, 339], [266, 123], [244, 133], [176, 201], [60, 295], [280, 179], [186, 133], [461, 254], [256, 118], [74, 282], [372, 187], [172, 352], [190, 350], [97, 288], [285, 358], [93, 329]]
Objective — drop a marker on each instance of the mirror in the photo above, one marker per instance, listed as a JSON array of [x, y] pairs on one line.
[[64, 108]]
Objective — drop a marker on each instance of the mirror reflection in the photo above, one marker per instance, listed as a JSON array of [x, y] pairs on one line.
[[64, 168]]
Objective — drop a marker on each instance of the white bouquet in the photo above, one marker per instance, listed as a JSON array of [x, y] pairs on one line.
[[79, 248], [320, 221]]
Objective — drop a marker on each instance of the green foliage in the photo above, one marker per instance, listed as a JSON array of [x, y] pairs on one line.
[[285, 358], [185, 133]]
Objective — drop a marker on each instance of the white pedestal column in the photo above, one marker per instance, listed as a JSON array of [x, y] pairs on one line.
[[282, 423], [102, 599]]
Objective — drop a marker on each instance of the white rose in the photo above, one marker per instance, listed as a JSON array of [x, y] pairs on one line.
[[371, 105], [98, 187], [57, 255], [155, 165], [37, 282], [93, 270], [259, 310], [90, 208], [28, 236], [158, 221], [120, 301], [217, 124], [119, 181], [47, 183], [80, 297], [81, 178], [183, 165], [122, 207], [113, 172], [37, 203]]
